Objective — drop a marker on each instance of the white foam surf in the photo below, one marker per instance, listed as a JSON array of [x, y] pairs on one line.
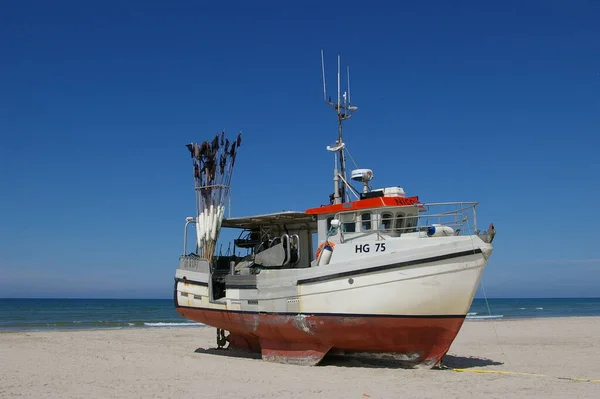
[[495, 316], [160, 324]]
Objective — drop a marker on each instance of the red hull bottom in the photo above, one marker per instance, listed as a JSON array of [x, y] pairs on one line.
[[306, 339]]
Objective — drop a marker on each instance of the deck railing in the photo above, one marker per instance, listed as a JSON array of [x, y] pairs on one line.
[[460, 217]]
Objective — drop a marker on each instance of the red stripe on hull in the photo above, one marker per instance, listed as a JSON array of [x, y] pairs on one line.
[[305, 339]]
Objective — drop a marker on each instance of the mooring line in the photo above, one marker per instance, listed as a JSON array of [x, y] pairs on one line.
[[526, 374], [506, 357]]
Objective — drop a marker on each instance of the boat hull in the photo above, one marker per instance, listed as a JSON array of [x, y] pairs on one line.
[[306, 339], [409, 311]]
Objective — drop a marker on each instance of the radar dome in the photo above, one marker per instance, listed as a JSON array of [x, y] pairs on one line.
[[362, 175]]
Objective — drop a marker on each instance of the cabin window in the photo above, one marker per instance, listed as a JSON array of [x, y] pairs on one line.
[[366, 221], [411, 223], [399, 222], [349, 227], [348, 222], [387, 220]]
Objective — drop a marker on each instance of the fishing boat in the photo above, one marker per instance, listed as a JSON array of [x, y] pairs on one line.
[[372, 272]]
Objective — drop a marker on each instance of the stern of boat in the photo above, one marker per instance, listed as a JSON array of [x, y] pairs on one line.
[[192, 277]]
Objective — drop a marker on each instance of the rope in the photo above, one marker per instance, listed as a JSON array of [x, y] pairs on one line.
[[502, 372], [332, 231], [524, 374], [494, 325], [352, 159]]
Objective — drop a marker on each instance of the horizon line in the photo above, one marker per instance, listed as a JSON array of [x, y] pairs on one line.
[[170, 299]]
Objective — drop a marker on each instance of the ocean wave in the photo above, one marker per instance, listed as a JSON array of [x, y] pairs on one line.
[[90, 324], [161, 324]]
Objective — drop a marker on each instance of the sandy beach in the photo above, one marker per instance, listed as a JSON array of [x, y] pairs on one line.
[[182, 362]]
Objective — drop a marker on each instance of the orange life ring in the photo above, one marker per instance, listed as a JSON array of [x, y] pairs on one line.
[[332, 245]]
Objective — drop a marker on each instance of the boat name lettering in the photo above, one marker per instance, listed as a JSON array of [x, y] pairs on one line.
[[405, 201], [364, 248]]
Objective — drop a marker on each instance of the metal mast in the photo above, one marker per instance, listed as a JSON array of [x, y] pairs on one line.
[[344, 111]]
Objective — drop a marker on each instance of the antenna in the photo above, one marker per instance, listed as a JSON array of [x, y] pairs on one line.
[[348, 75], [344, 111], [338, 107], [323, 70]]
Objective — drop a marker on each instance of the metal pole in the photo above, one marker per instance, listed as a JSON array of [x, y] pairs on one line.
[[342, 161], [336, 181], [185, 237]]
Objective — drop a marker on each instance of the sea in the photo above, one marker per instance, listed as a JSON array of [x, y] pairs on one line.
[[81, 314]]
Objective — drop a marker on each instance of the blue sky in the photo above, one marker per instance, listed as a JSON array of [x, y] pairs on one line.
[[459, 101]]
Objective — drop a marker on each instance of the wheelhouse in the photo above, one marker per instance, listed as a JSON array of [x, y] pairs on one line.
[[375, 213]]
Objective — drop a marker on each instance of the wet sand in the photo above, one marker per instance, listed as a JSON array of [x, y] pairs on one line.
[[182, 362]]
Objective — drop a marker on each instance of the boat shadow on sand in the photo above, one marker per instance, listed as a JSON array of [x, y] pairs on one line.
[[465, 362], [236, 353], [449, 361]]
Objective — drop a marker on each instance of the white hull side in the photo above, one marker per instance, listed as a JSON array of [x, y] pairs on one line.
[[440, 288]]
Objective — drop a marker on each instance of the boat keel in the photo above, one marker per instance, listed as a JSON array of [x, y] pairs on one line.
[[298, 353], [409, 341], [244, 342]]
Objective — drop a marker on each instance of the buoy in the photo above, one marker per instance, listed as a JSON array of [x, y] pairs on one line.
[[324, 253], [438, 230]]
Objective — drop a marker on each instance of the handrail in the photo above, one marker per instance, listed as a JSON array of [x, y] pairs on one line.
[[461, 217], [473, 203], [185, 234], [296, 238], [286, 239]]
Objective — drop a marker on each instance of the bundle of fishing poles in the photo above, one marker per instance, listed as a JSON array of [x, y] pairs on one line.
[[213, 163]]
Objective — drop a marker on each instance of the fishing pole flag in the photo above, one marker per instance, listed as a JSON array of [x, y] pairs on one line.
[[213, 163]]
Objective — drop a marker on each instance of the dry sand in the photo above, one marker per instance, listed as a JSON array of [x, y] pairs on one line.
[[182, 362]]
